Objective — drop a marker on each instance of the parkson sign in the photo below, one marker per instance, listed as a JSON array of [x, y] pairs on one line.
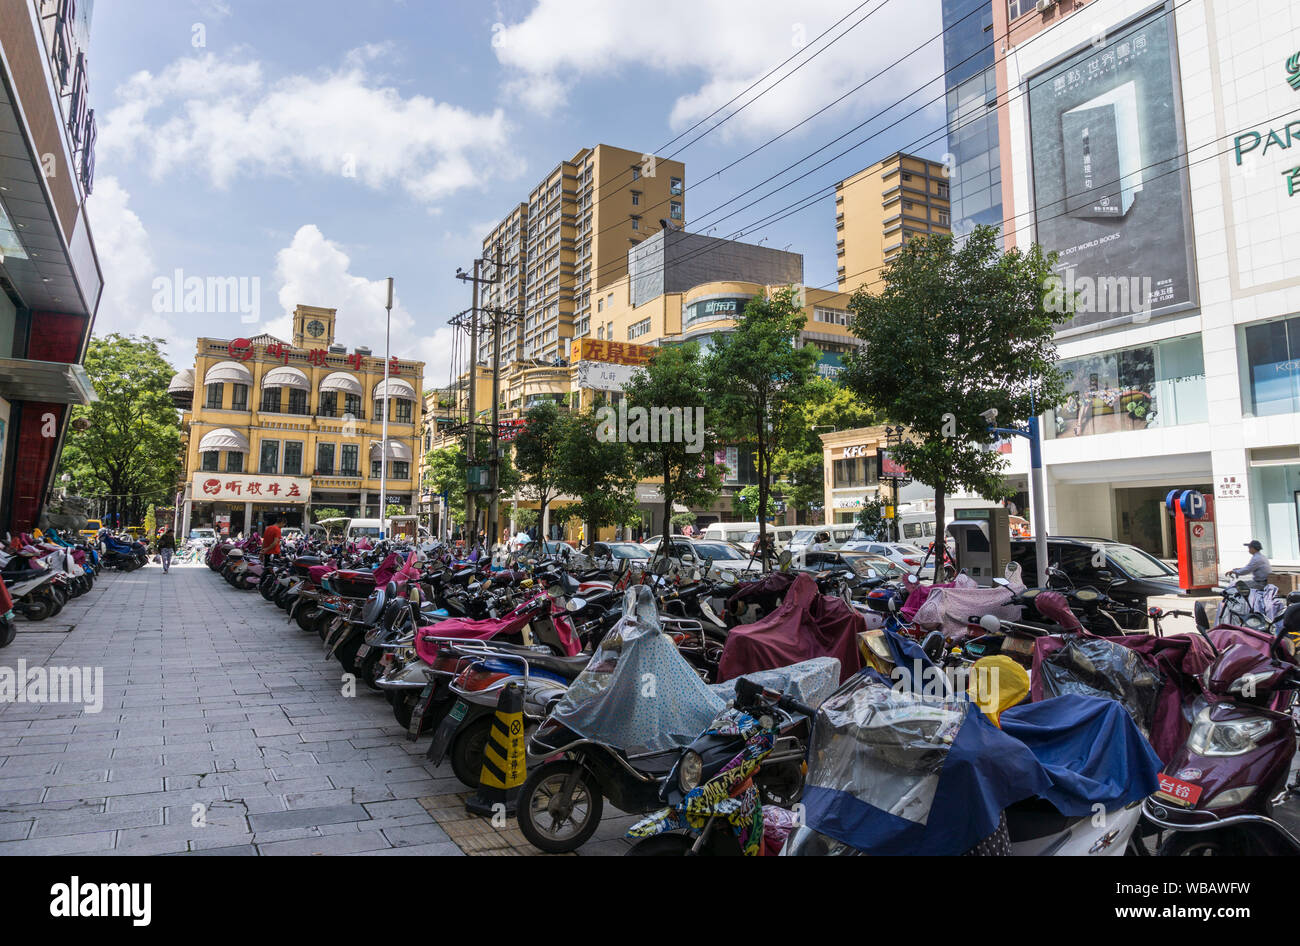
[[1251, 141]]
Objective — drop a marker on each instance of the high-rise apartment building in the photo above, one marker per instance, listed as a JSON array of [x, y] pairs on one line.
[[878, 209], [568, 243]]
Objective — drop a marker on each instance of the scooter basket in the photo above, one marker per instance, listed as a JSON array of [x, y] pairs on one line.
[[353, 584]]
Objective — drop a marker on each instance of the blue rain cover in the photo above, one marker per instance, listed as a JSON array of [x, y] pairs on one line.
[[1090, 748], [895, 772]]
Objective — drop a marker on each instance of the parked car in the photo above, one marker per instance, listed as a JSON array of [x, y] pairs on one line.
[[616, 550], [781, 535], [807, 536], [907, 557], [1124, 572], [203, 536]]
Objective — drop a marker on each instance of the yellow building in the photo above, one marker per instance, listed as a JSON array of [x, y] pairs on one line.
[[878, 209], [563, 248], [276, 427]]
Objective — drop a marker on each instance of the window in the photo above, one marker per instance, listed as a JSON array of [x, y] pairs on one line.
[[1270, 372], [675, 209], [636, 173], [944, 218], [1158, 385], [943, 188], [830, 316], [297, 401], [234, 462], [1018, 8], [292, 457], [636, 198], [858, 471], [639, 329], [636, 222], [239, 397], [270, 460], [271, 400], [211, 461], [906, 176], [328, 406], [600, 305], [352, 405], [215, 394], [324, 459], [402, 410], [348, 464], [675, 186]]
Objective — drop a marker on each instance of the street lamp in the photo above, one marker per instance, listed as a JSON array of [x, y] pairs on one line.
[[387, 400], [1037, 503]]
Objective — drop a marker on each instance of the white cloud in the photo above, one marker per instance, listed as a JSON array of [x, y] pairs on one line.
[[126, 258], [728, 47], [313, 270], [224, 118]]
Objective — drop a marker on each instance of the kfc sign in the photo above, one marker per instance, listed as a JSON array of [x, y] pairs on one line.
[[249, 487]]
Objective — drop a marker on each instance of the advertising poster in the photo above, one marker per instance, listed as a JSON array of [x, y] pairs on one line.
[[1110, 190]]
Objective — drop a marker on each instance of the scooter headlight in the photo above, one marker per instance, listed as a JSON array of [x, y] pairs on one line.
[[1232, 797], [690, 770], [1226, 737]]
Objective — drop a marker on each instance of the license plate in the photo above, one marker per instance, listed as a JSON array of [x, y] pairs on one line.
[[362, 651], [1177, 792], [458, 711]]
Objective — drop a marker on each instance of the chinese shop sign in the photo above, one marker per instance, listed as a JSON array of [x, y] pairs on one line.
[[250, 487], [242, 349]]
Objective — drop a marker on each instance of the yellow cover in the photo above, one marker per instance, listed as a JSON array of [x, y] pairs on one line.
[[997, 683]]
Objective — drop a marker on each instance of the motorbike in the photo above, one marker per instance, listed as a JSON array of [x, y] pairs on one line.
[[8, 627], [1228, 790]]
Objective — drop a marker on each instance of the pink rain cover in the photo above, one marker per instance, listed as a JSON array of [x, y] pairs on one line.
[[808, 624]]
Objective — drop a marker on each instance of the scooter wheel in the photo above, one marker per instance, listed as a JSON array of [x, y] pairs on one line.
[[306, 617], [369, 668], [554, 833], [467, 750], [36, 610], [1202, 844]]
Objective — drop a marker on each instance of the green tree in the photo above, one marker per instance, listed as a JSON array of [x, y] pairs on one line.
[[394, 510], [150, 525], [128, 449], [325, 512], [871, 520], [826, 406], [445, 474], [539, 448], [759, 375], [956, 331], [745, 503], [599, 472], [686, 470]]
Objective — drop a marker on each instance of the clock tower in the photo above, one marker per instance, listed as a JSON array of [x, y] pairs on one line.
[[313, 327]]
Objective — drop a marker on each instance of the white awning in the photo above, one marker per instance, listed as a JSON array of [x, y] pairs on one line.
[[228, 371], [396, 450], [182, 381], [223, 438], [396, 388], [286, 377], [341, 381]]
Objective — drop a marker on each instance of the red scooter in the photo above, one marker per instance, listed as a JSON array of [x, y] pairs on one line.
[[1226, 791]]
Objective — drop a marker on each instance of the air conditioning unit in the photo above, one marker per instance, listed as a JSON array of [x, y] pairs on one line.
[[1042, 6]]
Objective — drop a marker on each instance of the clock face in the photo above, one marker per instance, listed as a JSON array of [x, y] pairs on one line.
[[315, 328]]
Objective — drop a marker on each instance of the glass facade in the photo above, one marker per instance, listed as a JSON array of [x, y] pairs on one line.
[[1158, 385], [1269, 356], [1274, 512], [971, 104]]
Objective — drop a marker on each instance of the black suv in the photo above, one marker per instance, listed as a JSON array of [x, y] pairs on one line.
[[1124, 572]]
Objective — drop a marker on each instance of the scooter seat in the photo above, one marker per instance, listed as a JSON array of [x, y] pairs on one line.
[[567, 667], [1035, 818]]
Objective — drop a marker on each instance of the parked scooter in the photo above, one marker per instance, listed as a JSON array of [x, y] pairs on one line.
[[1226, 792]]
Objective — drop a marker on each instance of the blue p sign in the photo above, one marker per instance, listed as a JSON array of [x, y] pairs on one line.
[[1192, 503]]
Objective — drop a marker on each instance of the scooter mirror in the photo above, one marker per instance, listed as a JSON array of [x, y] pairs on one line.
[[730, 577], [784, 558], [1001, 582], [932, 646], [990, 624], [662, 566], [1201, 615]]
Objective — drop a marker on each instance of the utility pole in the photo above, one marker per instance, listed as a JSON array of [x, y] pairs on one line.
[[495, 460], [471, 520], [383, 448]]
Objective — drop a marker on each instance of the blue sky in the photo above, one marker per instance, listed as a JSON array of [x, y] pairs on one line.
[[322, 146]]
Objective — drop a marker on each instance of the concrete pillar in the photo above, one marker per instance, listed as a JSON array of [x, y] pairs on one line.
[[184, 529], [248, 519], [365, 498]]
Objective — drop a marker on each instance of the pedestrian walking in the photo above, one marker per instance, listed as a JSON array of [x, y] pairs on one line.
[[167, 548]]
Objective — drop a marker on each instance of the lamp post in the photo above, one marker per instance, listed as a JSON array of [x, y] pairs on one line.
[[383, 447], [1037, 500], [893, 437]]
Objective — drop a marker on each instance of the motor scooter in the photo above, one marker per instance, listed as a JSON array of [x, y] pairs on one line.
[[1230, 790]]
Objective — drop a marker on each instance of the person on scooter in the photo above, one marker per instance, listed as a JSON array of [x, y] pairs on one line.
[[1258, 567], [166, 547]]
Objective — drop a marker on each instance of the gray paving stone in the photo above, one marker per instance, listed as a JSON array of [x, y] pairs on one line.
[[330, 844], [307, 816]]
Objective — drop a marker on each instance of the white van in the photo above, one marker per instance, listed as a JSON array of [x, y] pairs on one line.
[[727, 531], [807, 535], [781, 535]]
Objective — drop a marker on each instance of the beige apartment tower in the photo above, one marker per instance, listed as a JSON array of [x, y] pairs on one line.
[[564, 248], [881, 207]]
